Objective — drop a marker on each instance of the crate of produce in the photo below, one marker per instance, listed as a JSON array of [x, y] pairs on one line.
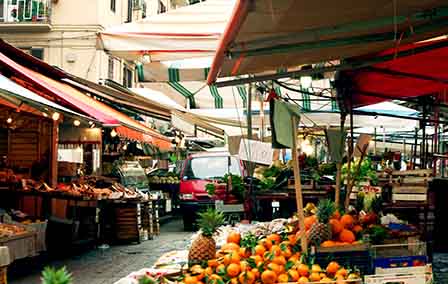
[[399, 278], [359, 257], [410, 254]]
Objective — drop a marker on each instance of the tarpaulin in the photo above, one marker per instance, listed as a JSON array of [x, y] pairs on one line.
[[422, 72]]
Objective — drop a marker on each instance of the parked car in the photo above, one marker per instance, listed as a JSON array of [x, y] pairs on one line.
[[199, 170]]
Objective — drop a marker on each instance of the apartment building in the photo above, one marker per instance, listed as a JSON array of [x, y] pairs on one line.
[[63, 32]]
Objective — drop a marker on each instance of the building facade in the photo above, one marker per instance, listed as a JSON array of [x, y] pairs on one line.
[[64, 32]]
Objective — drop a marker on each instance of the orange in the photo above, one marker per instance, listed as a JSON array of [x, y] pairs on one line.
[[212, 263], [215, 277], [268, 277], [294, 258], [309, 221], [233, 270], [328, 244], [343, 272], [208, 271], [322, 275], [198, 272], [274, 239], [293, 275], [247, 277], [244, 252], [275, 267], [276, 250], [336, 226], [336, 215], [244, 265], [347, 221], [303, 270], [257, 259], [190, 280], [255, 272], [234, 237], [357, 229], [280, 260], [230, 247], [220, 268], [292, 239], [287, 253], [303, 279], [283, 278], [332, 267], [233, 281], [232, 257], [347, 236], [316, 268], [259, 250], [314, 277]]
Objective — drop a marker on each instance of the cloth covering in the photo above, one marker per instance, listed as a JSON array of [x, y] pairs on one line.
[[335, 141], [282, 125]]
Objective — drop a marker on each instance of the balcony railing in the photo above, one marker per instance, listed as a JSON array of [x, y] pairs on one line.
[[25, 11]]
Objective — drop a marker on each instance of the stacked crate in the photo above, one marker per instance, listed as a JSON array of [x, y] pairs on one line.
[[128, 222], [147, 218], [410, 186]]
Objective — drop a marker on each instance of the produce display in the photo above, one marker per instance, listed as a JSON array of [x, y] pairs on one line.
[[247, 258], [10, 230], [89, 187], [164, 179]]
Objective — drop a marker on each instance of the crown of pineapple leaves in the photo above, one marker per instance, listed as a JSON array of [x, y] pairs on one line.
[[209, 221], [325, 209], [51, 275]]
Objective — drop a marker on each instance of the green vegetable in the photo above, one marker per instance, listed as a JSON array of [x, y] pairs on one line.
[[51, 275]]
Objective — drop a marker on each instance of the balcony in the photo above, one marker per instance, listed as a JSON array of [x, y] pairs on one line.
[[25, 15]]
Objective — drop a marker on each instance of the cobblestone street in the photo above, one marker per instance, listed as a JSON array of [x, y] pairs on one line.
[[107, 266]]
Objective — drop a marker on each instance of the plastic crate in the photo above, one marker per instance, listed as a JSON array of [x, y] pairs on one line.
[[359, 259]]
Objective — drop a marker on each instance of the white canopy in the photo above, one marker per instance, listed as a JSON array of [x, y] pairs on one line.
[[184, 33]]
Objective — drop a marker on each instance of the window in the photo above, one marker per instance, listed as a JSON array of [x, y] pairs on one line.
[[130, 11], [36, 52], [110, 68], [211, 167], [113, 5], [127, 77]]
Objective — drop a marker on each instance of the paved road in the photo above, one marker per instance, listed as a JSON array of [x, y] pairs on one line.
[[107, 266]]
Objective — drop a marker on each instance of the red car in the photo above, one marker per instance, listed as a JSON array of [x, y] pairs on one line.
[[199, 170]]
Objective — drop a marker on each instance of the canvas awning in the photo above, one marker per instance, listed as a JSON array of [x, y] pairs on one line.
[[265, 36], [422, 72], [188, 32], [86, 104], [16, 94], [198, 95]]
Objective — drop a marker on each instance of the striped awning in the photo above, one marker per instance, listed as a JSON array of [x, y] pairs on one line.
[[198, 94]]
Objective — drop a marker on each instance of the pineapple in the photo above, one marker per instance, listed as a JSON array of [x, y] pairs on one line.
[[321, 230], [53, 276], [203, 247]]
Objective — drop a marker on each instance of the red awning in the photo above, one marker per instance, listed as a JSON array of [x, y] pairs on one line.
[[423, 72], [62, 93], [127, 126]]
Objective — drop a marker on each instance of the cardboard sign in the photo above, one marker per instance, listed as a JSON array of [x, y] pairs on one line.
[[256, 151]]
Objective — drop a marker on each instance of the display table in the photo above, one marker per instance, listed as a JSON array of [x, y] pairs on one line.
[[20, 246]]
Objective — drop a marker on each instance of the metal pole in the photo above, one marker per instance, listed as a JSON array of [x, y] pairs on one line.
[[249, 127], [374, 141], [414, 156]]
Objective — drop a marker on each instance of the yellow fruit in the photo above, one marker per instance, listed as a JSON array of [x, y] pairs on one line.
[[190, 280], [303, 279], [314, 277], [326, 280], [303, 270], [316, 268]]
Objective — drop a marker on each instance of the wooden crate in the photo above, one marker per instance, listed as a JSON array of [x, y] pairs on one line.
[[128, 222], [3, 275]]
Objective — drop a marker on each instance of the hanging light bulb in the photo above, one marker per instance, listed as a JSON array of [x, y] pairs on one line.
[[56, 116], [90, 122], [45, 114], [113, 133], [76, 123], [125, 147], [9, 120]]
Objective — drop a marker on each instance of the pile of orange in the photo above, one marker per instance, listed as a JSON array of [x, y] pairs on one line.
[[344, 230], [273, 260]]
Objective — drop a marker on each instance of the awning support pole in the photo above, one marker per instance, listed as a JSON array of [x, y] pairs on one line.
[[298, 185]]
